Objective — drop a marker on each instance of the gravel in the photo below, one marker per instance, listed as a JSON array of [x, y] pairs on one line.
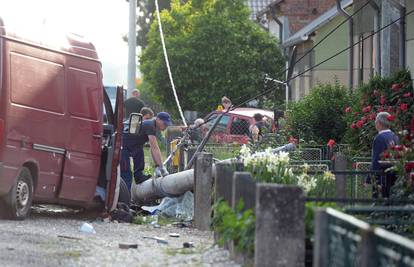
[[52, 238]]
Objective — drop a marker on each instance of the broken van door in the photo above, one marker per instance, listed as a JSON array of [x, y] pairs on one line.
[[118, 123], [83, 147]]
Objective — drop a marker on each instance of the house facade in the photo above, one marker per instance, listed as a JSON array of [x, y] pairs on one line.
[[409, 42], [372, 54]]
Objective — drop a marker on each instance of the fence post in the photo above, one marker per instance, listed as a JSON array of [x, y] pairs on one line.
[[203, 177], [280, 227], [340, 164], [367, 249], [223, 185], [321, 244], [244, 187], [223, 181]]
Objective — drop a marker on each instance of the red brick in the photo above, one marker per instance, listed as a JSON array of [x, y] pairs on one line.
[[299, 12]]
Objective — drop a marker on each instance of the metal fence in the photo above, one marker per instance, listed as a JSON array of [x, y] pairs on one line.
[[222, 151], [343, 240]]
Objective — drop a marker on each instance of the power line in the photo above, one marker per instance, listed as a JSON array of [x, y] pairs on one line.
[[168, 64], [331, 57], [313, 67]]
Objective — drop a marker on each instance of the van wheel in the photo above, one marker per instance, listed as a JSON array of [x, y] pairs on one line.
[[19, 200], [124, 194]]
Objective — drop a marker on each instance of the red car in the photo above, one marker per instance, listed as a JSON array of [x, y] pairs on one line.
[[234, 126], [54, 146]]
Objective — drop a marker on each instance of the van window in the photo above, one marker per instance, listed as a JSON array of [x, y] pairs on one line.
[[37, 83], [84, 94]]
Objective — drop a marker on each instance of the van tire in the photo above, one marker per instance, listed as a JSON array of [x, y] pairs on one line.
[[18, 201], [124, 193]]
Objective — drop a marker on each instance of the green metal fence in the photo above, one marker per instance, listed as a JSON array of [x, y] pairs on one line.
[[343, 240]]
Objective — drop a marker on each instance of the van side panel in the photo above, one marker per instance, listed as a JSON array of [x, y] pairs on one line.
[[33, 94], [85, 98]]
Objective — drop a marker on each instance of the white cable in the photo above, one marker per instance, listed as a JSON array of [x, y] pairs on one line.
[[168, 63]]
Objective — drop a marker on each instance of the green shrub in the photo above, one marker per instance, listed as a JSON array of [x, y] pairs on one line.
[[236, 225], [319, 116]]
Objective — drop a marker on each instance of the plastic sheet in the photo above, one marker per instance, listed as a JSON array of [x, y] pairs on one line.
[[181, 207]]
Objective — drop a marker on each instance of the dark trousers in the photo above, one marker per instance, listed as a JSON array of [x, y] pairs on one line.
[[386, 180], [137, 155]]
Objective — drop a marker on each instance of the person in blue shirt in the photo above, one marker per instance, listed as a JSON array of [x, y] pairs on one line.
[[133, 147], [384, 140]]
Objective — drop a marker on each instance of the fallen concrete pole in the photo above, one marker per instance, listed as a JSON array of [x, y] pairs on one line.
[[171, 185], [178, 183]]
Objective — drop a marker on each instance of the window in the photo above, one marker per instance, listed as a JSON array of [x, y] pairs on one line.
[[240, 126], [221, 126]]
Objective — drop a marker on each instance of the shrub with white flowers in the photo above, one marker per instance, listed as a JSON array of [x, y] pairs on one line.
[[269, 167]]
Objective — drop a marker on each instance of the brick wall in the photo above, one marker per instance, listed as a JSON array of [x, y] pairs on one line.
[[301, 12]]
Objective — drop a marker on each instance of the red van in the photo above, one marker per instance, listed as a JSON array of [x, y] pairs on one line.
[[54, 146]]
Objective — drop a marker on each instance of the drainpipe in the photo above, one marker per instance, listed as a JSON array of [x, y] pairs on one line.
[[274, 17], [286, 57], [377, 22], [351, 42], [402, 37]]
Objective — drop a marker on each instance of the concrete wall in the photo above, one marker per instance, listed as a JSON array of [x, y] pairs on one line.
[[301, 85], [334, 43], [329, 72], [410, 37]]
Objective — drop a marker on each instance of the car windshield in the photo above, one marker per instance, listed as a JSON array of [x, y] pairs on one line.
[[221, 126]]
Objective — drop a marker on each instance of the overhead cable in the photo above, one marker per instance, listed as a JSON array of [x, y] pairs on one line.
[[168, 64]]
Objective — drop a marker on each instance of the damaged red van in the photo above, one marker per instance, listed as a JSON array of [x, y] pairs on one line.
[[54, 144]]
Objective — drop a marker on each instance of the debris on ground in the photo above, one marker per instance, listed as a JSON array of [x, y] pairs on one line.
[[87, 228], [158, 239], [181, 207], [188, 245], [127, 246], [69, 237], [183, 224], [174, 235]]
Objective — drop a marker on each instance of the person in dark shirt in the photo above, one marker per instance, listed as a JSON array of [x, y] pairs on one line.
[[133, 104], [258, 128], [196, 134], [133, 146], [147, 113], [382, 141]]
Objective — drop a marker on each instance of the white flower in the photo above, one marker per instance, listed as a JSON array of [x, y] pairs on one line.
[[245, 151], [284, 157], [306, 167], [328, 176]]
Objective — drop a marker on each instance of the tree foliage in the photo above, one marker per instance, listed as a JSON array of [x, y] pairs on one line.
[[214, 50], [319, 116], [145, 16]]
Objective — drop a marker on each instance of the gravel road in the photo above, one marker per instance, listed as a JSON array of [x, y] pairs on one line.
[[53, 238]]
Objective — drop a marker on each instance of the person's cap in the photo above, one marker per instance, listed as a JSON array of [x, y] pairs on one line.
[[165, 117]]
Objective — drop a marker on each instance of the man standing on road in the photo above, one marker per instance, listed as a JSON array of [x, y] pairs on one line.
[[133, 104], [133, 146]]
